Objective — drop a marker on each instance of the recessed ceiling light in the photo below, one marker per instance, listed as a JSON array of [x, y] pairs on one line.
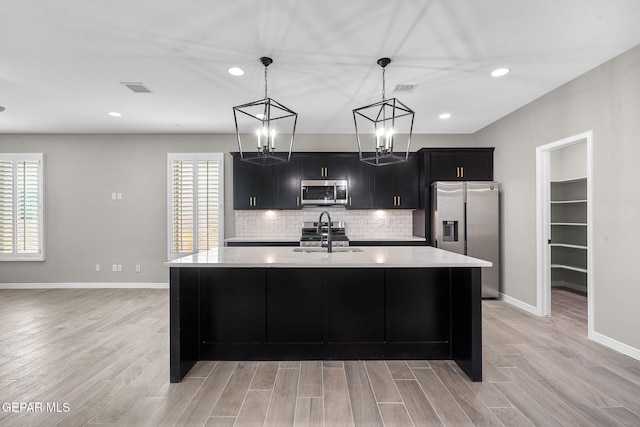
[[500, 72], [445, 116], [114, 114], [236, 71]]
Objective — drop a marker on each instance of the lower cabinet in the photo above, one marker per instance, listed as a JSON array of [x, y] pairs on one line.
[[418, 308], [304, 306], [232, 305], [294, 306], [257, 313], [355, 305]]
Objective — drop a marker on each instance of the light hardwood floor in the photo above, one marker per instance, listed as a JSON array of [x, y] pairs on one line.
[[105, 353]]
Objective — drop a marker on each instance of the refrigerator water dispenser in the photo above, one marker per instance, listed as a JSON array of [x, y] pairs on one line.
[[449, 231]]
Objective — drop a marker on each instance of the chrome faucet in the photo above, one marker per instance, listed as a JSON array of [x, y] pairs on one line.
[[319, 230]]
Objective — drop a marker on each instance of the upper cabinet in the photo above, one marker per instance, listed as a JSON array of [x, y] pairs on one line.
[[361, 177], [396, 186], [461, 165], [324, 166], [286, 185], [252, 185]]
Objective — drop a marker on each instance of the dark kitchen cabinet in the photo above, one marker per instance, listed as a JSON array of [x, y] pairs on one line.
[[300, 301], [461, 165], [361, 177], [417, 305], [286, 185], [324, 166], [294, 306], [396, 186], [232, 297], [356, 305], [252, 185]]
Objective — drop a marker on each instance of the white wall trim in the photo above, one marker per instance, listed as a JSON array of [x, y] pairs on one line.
[[543, 227], [616, 345], [517, 303], [89, 285]]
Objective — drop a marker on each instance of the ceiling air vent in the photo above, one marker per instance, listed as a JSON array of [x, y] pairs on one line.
[[137, 87], [404, 88]]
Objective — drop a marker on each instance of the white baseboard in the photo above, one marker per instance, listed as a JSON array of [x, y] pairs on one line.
[[616, 345], [89, 285], [522, 305], [595, 336]]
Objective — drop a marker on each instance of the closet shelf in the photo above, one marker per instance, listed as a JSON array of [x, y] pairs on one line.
[[566, 245], [566, 202], [569, 267]]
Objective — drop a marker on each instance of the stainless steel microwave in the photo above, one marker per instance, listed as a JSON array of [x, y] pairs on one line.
[[324, 192]]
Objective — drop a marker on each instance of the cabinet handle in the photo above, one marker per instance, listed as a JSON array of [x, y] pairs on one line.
[[250, 201], [461, 171], [297, 200], [457, 171], [349, 200], [399, 201]]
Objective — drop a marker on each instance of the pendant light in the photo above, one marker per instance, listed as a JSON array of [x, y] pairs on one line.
[[384, 134], [266, 123]]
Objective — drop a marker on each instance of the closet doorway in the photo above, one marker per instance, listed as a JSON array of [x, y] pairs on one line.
[[564, 222]]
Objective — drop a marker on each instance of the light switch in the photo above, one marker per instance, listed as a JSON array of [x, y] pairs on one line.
[[114, 196], [119, 196]]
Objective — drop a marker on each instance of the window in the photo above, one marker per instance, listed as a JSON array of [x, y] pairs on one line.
[[195, 198], [21, 235]]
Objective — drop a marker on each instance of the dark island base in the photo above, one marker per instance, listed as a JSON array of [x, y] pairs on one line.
[[325, 314]]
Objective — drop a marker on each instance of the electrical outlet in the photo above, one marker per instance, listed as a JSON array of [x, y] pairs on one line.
[[114, 267], [113, 196], [97, 267], [138, 268], [119, 267], [119, 196]]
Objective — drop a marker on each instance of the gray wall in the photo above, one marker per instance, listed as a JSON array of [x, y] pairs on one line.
[[84, 227], [569, 162], [607, 101]]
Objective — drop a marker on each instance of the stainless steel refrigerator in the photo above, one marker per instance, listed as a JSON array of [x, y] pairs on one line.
[[465, 220]]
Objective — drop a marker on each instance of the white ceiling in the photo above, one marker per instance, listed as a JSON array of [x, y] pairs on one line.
[[62, 62]]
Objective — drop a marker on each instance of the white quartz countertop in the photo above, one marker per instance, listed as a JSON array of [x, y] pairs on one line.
[[263, 239], [353, 238], [366, 257], [386, 239]]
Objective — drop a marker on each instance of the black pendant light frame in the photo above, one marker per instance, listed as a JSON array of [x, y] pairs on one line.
[[270, 112], [384, 114]]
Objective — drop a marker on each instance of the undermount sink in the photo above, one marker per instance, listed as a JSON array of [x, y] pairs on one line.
[[317, 249]]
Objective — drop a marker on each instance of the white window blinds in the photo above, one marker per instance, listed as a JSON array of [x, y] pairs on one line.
[[195, 202], [21, 220]]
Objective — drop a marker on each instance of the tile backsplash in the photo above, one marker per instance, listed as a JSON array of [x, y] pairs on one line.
[[287, 223]]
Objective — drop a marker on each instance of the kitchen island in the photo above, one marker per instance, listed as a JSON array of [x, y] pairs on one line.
[[283, 303]]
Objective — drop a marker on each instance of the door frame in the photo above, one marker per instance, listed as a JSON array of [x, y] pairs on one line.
[[543, 223]]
